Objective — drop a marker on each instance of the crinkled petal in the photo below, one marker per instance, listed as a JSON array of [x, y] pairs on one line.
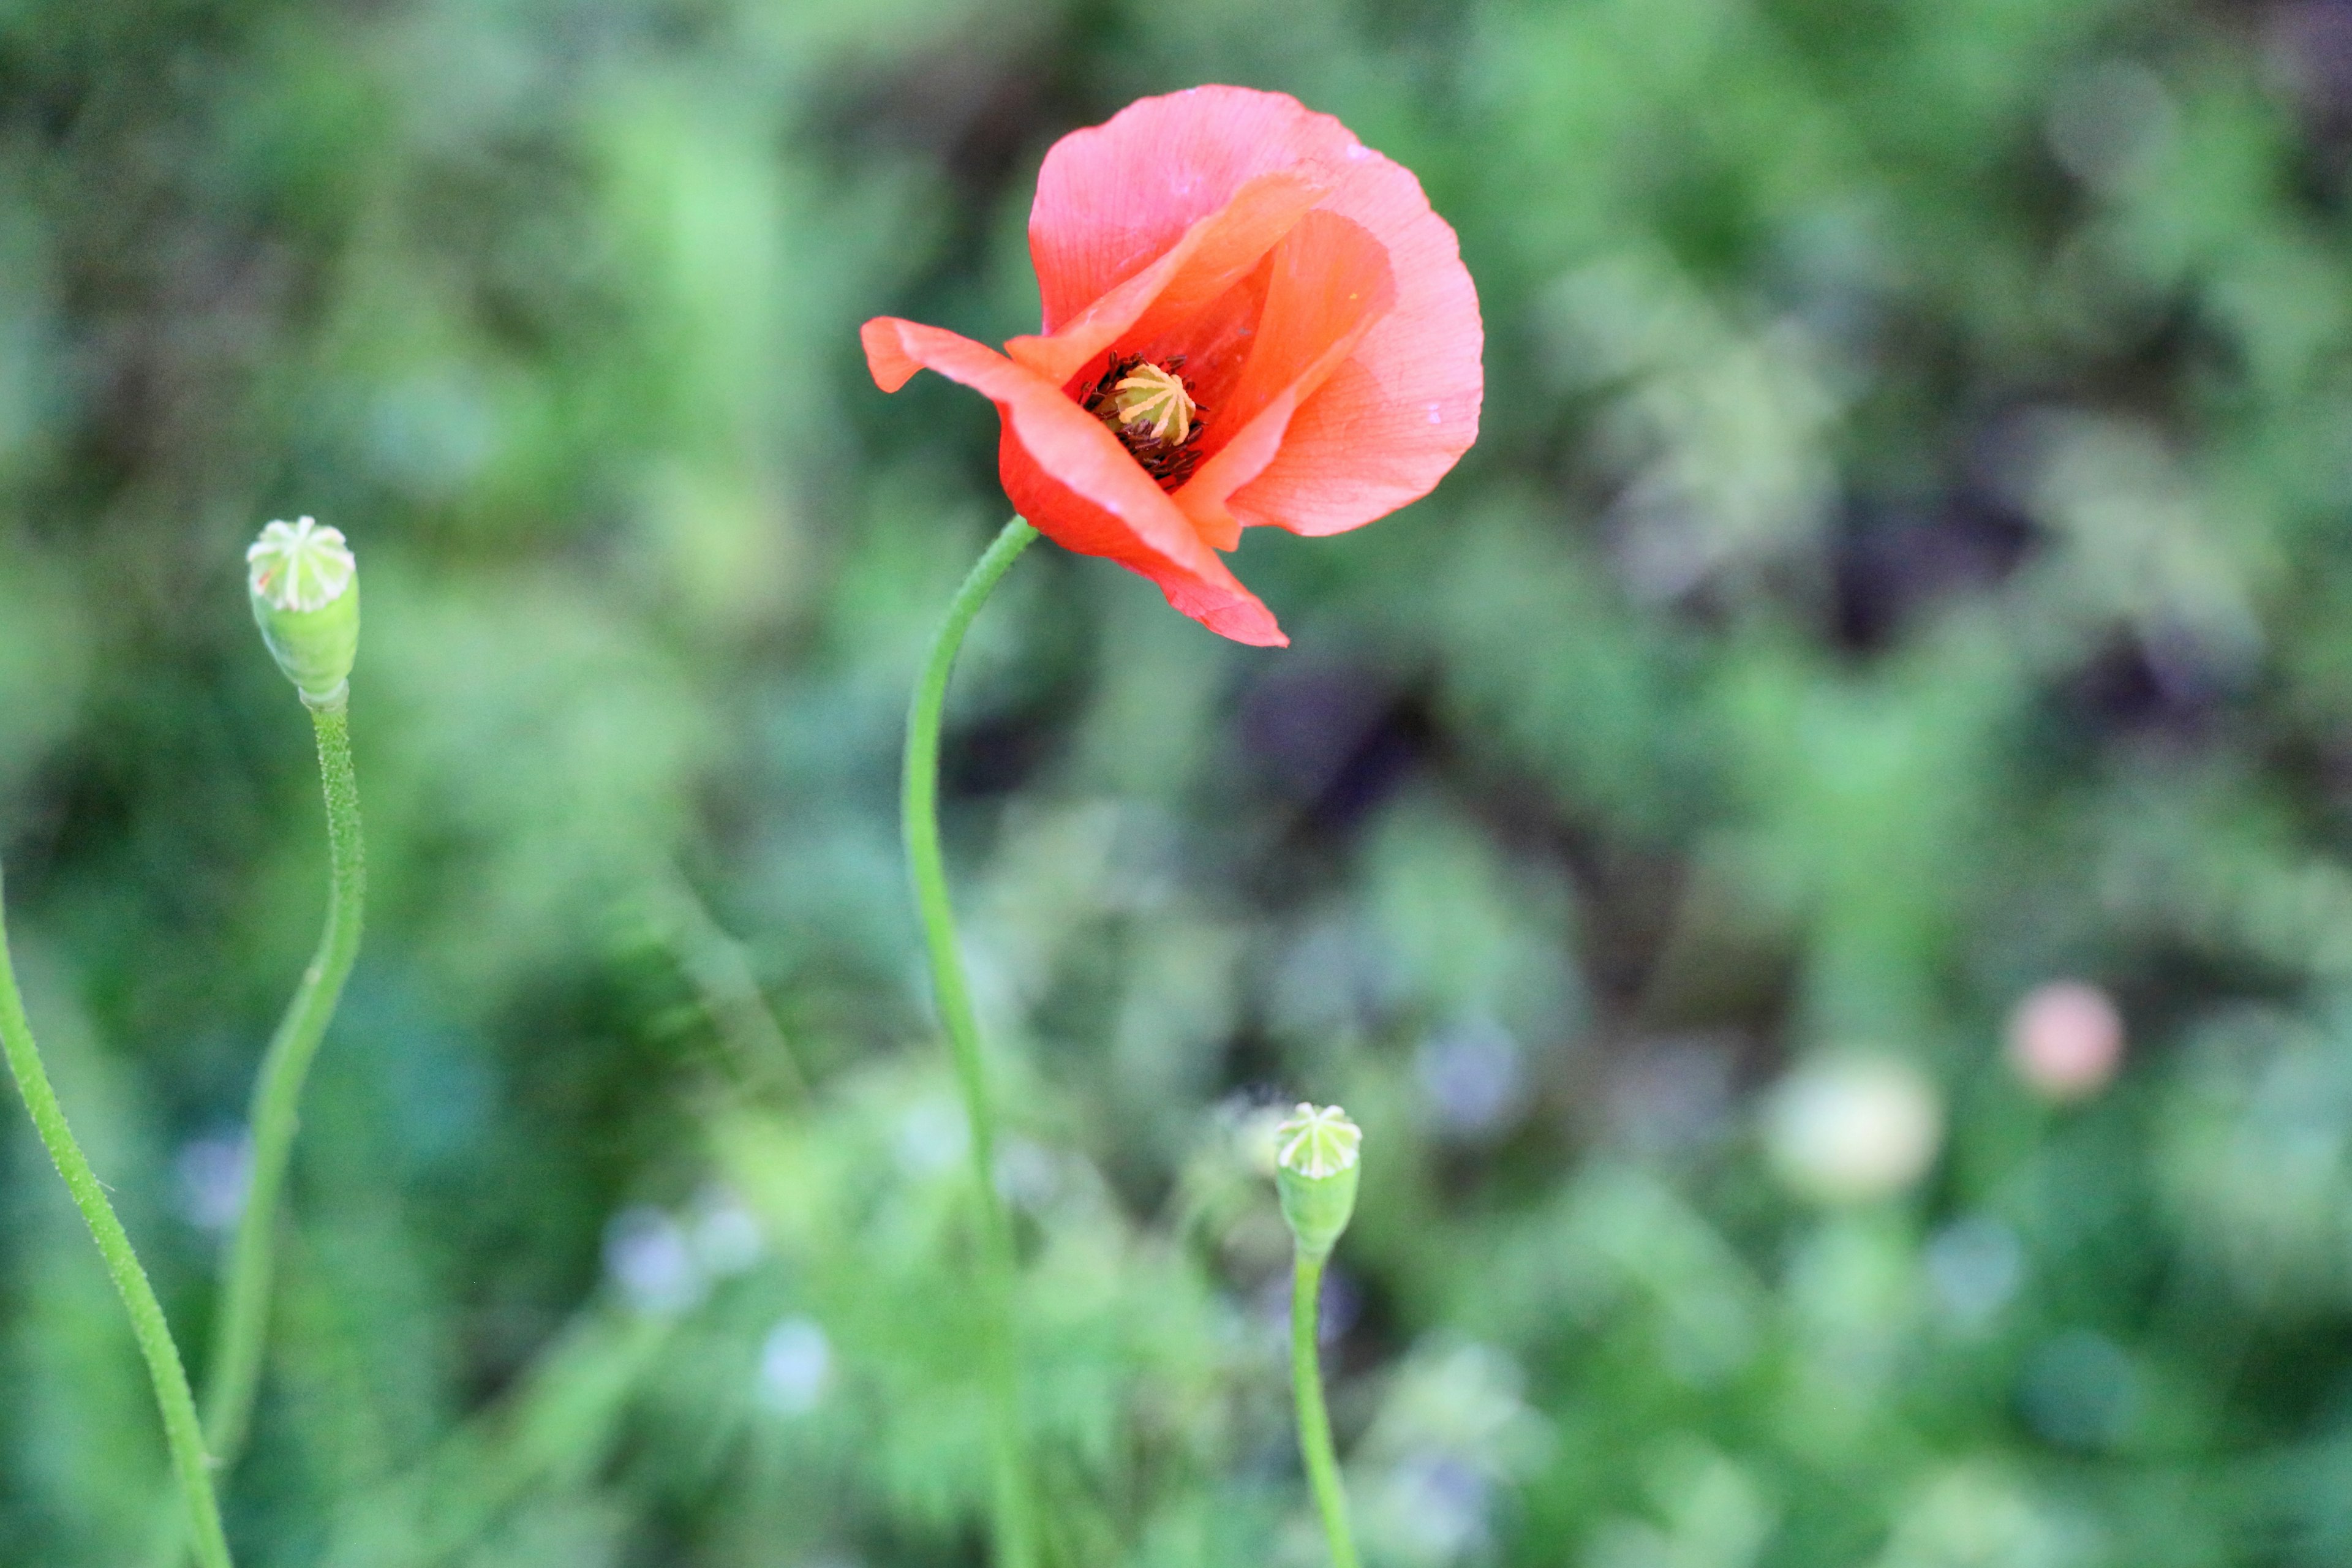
[[1329, 287], [1223, 606], [1113, 197], [1070, 477], [1206, 261], [1396, 417]]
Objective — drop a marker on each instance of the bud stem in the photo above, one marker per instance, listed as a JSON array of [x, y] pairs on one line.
[[1016, 1525], [182, 1431], [1313, 1420], [241, 1325], [235, 1371]]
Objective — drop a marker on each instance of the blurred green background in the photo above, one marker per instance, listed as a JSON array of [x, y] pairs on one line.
[[1905, 569]]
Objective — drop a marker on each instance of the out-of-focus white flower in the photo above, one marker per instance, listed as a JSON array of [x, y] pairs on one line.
[[1472, 1077], [213, 1175], [2066, 1040], [649, 1258], [1843, 1128], [795, 1365]]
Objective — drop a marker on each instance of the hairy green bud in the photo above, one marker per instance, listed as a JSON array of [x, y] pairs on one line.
[[306, 598], [1316, 1163]]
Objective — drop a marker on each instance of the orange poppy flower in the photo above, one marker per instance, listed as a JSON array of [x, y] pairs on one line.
[[1250, 318]]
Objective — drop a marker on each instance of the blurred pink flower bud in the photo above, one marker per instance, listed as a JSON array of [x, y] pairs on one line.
[[2066, 1040]]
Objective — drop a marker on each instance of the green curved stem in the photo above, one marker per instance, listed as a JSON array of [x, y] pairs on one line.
[[182, 1430], [1016, 1522], [1314, 1421], [232, 1375]]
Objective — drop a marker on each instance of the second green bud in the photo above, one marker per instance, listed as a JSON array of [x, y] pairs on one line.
[[305, 588], [1317, 1162]]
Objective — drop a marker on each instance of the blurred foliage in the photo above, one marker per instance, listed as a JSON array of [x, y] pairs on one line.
[[1905, 564]]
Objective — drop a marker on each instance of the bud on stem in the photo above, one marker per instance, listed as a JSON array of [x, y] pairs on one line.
[[306, 599], [1316, 1168], [1317, 1152]]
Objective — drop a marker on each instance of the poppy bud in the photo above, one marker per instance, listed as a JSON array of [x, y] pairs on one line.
[[306, 599], [1315, 1167]]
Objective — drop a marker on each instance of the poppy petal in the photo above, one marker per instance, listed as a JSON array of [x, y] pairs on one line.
[[1068, 475], [1215, 253], [1113, 197], [1223, 606], [1392, 421], [1330, 286]]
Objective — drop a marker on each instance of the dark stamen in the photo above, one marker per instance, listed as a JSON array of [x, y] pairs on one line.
[[1140, 426]]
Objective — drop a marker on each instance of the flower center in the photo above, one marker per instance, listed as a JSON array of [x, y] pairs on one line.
[[1151, 411]]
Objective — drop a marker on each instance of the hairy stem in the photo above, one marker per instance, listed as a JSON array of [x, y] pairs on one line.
[[1016, 1523], [182, 1430], [1314, 1421], [232, 1375]]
